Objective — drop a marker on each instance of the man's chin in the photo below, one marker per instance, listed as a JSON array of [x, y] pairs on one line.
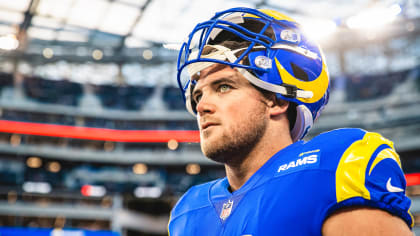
[[218, 151], [217, 158], [213, 152]]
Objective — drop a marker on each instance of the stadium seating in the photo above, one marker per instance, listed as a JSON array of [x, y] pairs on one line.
[[61, 92]]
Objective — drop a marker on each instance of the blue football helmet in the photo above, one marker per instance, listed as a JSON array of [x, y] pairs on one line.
[[278, 57]]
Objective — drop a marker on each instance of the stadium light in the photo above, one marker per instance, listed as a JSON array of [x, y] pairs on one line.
[[9, 42], [374, 18], [148, 192], [148, 54], [93, 190], [34, 162], [54, 167], [97, 54], [193, 169], [15, 140], [140, 169], [36, 187], [48, 53], [318, 29], [173, 144]]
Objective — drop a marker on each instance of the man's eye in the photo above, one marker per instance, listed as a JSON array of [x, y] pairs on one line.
[[224, 88], [197, 98]]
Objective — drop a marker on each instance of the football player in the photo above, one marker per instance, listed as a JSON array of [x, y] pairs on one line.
[[256, 84]]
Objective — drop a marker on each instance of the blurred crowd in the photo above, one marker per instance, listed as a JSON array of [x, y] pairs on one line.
[[134, 97]]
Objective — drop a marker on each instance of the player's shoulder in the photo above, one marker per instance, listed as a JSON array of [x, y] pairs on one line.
[[367, 171], [356, 168], [195, 198], [320, 153], [331, 145], [339, 145], [349, 139], [338, 137]]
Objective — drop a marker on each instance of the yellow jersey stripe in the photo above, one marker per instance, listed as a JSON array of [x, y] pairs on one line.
[[385, 154], [351, 170]]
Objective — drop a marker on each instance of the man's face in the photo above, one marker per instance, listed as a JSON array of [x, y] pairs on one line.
[[232, 115]]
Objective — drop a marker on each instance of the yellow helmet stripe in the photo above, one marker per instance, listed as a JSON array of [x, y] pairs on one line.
[[318, 86], [276, 15]]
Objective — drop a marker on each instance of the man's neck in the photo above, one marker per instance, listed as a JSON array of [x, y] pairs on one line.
[[239, 172]]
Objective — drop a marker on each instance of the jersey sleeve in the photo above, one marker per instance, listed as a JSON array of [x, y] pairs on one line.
[[369, 174]]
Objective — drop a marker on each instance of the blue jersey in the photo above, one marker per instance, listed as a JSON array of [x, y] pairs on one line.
[[298, 188]]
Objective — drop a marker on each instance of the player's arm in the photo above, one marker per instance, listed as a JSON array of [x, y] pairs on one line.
[[364, 222]]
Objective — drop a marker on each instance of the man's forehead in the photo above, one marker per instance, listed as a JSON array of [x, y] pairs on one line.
[[208, 71], [215, 73]]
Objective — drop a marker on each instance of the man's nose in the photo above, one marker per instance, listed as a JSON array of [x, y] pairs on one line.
[[205, 105]]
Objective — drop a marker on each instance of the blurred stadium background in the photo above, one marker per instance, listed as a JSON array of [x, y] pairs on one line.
[[94, 138]]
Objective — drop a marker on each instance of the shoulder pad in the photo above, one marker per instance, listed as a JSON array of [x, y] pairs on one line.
[[332, 144], [322, 152], [340, 136]]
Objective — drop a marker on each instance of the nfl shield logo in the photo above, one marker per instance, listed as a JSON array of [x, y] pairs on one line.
[[226, 210]]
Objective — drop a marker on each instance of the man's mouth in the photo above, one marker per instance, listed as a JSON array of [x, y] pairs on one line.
[[207, 125]]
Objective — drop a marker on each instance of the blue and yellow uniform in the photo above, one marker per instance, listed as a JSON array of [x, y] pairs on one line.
[[298, 188]]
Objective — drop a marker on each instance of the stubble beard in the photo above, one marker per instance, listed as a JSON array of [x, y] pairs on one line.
[[237, 143]]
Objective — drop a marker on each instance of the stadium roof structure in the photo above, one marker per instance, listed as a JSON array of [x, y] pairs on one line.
[[110, 30]]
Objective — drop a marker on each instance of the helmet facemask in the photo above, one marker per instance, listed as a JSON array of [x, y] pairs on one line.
[[270, 53]]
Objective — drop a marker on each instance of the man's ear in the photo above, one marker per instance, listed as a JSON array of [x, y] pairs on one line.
[[277, 106]]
